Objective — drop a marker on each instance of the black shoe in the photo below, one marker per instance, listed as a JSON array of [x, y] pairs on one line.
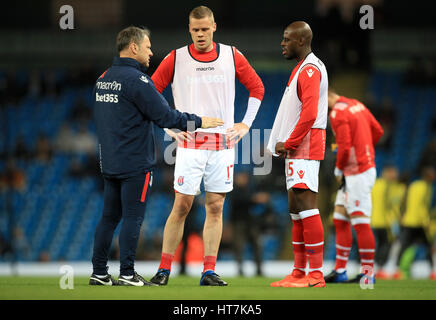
[[161, 277], [106, 281], [210, 278], [136, 281], [336, 277], [359, 277]]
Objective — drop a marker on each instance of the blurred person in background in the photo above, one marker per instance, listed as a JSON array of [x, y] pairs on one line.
[[298, 135], [244, 224], [44, 149], [126, 107], [387, 195], [5, 246], [13, 178], [20, 243], [64, 140], [415, 223], [84, 141], [357, 132], [81, 112], [21, 151], [202, 77], [428, 154]]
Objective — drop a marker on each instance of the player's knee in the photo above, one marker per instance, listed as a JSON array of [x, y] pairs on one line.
[[214, 209], [181, 209], [182, 204]]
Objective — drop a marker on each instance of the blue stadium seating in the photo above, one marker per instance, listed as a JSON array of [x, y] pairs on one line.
[[58, 213]]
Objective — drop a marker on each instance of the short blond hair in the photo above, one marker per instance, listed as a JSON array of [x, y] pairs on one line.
[[201, 12]]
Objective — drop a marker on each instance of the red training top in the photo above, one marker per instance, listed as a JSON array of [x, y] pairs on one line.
[[308, 93], [357, 132]]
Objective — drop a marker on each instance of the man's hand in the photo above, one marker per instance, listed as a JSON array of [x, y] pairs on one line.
[[208, 122], [237, 132], [180, 136], [280, 149], [339, 175]]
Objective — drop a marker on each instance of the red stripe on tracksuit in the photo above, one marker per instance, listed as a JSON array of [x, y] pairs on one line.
[[144, 189]]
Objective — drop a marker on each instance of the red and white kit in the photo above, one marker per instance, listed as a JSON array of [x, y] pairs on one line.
[[301, 122], [204, 84], [357, 132]]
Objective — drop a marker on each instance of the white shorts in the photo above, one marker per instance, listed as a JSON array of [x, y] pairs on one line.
[[302, 171], [215, 166], [357, 194]]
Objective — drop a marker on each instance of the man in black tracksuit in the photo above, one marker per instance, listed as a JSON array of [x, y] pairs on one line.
[[126, 106]]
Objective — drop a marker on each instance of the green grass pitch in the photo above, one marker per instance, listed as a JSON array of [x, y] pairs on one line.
[[187, 288]]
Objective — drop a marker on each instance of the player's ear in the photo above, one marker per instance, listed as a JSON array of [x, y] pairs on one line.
[[133, 47], [214, 27], [301, 41]]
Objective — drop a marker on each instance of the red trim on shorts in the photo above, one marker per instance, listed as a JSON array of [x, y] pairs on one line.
[[144, 189], [357, 214], [208, 141], [300, 186]]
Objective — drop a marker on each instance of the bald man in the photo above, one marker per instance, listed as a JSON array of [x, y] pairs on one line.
[[298, 135]]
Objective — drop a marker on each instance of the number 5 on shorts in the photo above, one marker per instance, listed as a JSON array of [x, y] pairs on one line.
[[290, 171]]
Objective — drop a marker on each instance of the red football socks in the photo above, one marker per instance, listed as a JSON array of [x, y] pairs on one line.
[[366, 244], [313, 238], [209, 263], [300, 258], [165, 261], [344, 241]]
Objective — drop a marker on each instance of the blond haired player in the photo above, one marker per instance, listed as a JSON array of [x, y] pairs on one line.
[[202, 77]]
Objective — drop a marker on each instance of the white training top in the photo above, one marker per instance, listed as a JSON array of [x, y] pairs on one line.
[[289, 110], [206, 88]]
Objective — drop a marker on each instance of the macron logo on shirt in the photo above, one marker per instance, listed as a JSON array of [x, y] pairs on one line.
[[144, 78], [309, 73]]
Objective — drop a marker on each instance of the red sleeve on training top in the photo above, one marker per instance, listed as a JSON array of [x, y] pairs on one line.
[[163, 75], [309, 80], [376, 128], [341, 128], [248, 76]]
